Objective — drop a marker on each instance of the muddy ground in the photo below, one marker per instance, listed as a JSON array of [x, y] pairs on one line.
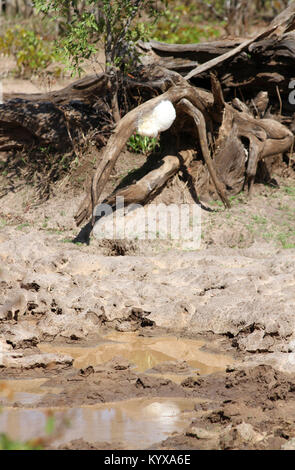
[[166, 347], [152, 324]]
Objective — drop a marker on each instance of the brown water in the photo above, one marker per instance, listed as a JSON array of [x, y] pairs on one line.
[[145, 352], [135, 423], [26, 391]]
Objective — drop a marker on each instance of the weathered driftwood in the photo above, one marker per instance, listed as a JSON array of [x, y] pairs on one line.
[[123, 131], [82, 90], [200, 124], [208, 112], [244, 141], [207, 55], [201, 52], [149, 185]]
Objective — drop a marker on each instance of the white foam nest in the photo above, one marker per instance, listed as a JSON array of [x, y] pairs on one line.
[[158, 120]]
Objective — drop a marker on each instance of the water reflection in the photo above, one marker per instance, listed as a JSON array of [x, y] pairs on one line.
[[145, 352], [136, 423]]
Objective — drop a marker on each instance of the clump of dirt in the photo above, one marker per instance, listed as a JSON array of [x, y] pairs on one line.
[[260, 386], [118, 247], [246, 409], [109, 383], [80, 444], [172, 367]]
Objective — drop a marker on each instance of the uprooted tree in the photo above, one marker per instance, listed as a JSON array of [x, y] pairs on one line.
[[233, 113]]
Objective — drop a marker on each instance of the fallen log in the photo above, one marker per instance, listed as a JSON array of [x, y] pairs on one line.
[[59, 118], [200, 52], [83, 90], [149, 185], [244, 67], [228, 55], [27, 124], [53, 119]]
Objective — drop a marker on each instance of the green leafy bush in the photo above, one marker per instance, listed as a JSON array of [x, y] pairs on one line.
[[31, 52], [115, 23], [140, 144], [183, 24]]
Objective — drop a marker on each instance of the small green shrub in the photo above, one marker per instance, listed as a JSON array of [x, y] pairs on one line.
[[31, 52], [140, 144], [289, 190]]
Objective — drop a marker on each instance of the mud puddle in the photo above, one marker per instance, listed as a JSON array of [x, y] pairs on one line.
[[132, 422], [168, 356], [136, 423]]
